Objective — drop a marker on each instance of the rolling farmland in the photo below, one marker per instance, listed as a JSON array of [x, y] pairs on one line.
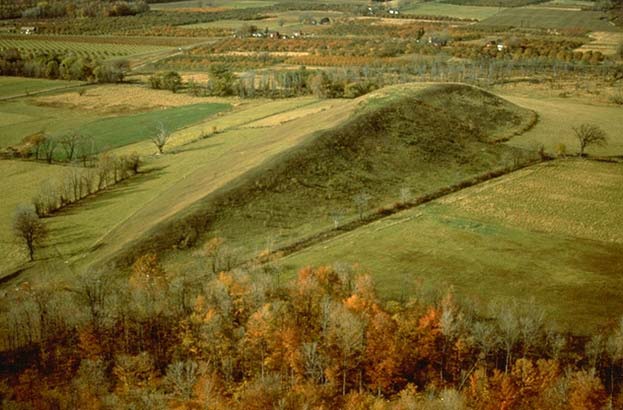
[[87, 49]]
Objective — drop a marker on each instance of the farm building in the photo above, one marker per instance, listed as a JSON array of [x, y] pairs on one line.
[[28, 29]]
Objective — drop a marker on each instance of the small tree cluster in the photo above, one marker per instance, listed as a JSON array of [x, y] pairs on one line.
[[29, 229], [78, 183], [68, 147], [166, 80], [65, 66]]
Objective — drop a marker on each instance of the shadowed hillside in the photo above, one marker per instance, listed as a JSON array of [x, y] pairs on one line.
[[392, 150]]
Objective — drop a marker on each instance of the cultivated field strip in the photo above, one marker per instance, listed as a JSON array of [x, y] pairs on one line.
[[95, 50]]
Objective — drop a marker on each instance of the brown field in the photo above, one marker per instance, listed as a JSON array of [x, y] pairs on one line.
[[578, 198], [115, 99], [604, 42]]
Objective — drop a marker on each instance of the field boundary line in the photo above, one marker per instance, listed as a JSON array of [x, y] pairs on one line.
[[385, 212], [68, 87]]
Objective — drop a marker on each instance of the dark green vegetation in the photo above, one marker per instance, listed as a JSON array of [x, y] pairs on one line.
[[415, 143]]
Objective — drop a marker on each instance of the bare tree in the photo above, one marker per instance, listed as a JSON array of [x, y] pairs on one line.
[[590, 134], [28, 228], [86, 149], [336, 216], [161, 137], [70, 144], [48, 146], [181, 378], [361, 202]]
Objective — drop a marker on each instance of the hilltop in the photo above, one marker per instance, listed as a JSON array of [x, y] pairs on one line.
[[395, 147]]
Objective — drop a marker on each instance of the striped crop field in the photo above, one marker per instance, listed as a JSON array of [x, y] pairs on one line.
[[91, 49]]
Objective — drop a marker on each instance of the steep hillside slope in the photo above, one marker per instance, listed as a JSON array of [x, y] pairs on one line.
[[386, 153]]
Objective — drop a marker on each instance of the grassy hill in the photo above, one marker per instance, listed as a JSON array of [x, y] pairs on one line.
[[548, 232], [397, 145]]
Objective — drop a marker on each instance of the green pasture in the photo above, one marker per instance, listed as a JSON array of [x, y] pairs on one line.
[[558, 116], [539, 17], [20, 118], [387, 147], [447, 246], [16, 86], [169, 183], [20, 182], [451, 10], [109, 133]]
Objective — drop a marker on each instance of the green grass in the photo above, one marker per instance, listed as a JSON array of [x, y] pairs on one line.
[[455, 243], [558, 116], [19, 183], [109, 133], [420, 142], [171, 182], [451, 10], [21, 118], [16, 86], [539, 17]]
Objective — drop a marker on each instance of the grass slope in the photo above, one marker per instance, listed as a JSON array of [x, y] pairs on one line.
[[19, 183], [98, 227], [421, 141], [548, 232]]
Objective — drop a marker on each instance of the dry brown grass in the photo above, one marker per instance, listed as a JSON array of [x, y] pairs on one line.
[[282, 118], [579, 198], [604, 42], [120, 99]]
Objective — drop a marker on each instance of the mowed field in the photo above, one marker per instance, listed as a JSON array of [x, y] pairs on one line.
[[112, 115], [551, 232], [450, 10], [20, 182], [17, 86], [543, 17], [558, 116], [172, 182]]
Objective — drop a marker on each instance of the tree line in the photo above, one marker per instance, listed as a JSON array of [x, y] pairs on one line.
[[223, 81], [29, 9], [249, 340], [61, 66]]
